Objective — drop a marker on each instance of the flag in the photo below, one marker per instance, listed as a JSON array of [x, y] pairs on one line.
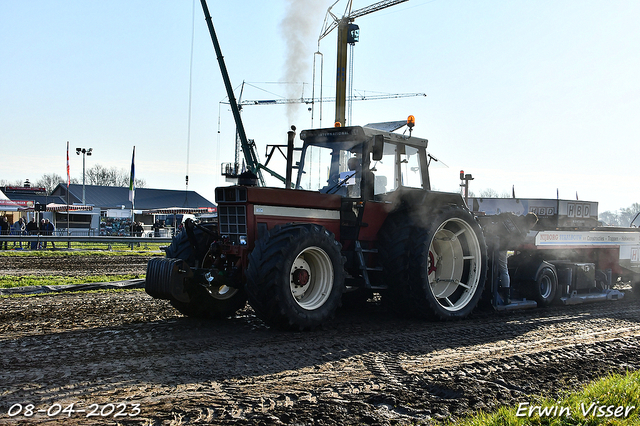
[[132, 179], [68, 175], [513, 191]]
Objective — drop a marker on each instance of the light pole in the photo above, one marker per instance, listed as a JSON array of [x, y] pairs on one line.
[[84, 153]]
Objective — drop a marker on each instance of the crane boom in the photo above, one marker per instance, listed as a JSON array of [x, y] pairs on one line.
[[374, 8], [250, 159], [314, 100], [330, 26]]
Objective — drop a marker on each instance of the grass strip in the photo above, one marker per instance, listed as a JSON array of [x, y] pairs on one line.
[[611, 400], [106, 290], [86, 251], [10, 281]]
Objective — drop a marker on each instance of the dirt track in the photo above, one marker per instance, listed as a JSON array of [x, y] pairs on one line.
[[366, 367], [73, 265]]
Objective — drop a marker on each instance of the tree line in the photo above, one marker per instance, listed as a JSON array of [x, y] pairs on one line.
[[622, 217], [95, 175]]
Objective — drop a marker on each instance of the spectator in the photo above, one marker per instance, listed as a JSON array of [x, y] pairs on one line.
[[41, 231], [32, 229], [507, 231], [19, 228], [4, 230], [48, 230]]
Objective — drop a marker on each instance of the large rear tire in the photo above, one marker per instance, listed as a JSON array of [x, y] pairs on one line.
[[295, 277], [394, 245], [442, 272], [191, 245]]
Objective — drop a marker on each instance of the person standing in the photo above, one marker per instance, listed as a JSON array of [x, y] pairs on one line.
[[157, 226], [19, 228], [41, 231], [4, 231], [48, 231], [505, 232], [32, 229]]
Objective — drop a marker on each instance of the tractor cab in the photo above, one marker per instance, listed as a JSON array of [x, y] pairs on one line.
[[362, 163]]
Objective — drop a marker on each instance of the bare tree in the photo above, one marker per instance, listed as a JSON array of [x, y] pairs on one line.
[[627, 215], [5, 182], [609, 218], [50, 181], [622, 217], [492, 193], [489, 193], [100, 175]]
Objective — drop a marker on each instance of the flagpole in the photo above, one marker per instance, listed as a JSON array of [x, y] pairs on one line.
[[132, 190], [68, 182]]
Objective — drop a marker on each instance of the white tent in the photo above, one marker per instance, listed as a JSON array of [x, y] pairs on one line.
[[6, 205]]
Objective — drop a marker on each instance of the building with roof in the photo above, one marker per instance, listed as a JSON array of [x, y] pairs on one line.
[[107, 209], [117, 197]]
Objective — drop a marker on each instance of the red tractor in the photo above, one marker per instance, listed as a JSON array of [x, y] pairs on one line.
[[358, 217]]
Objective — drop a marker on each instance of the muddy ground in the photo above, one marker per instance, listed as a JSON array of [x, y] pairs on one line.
[[128, 359], [74, 265]]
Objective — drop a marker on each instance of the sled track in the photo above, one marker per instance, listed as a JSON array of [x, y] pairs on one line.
[[366, 366]]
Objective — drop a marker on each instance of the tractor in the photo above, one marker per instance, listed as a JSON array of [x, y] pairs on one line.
[[356, 217]]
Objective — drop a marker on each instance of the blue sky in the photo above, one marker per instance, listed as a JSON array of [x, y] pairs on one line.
[[540, 95]]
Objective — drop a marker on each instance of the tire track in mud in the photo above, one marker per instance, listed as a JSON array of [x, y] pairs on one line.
[[74, 265], [365, 366]]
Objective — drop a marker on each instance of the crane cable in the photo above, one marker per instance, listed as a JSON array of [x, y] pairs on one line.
[[193, 30]]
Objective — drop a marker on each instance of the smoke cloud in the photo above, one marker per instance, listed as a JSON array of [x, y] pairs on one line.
[[300, 29]]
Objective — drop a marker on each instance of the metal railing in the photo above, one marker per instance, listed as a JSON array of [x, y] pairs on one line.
[[37, 242]]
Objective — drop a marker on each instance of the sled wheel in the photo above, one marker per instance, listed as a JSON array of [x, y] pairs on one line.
[[544, 289], [295, 277]]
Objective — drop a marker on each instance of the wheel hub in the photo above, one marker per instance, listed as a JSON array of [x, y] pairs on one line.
[[300, 277], [311, 278], [432, 264]]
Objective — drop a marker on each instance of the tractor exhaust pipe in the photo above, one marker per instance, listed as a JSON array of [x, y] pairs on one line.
[[291, 135]]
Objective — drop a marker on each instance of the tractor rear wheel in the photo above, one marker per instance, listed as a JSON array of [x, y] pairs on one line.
[[191, 245], [394, 251], [447, 268], [295, 277]]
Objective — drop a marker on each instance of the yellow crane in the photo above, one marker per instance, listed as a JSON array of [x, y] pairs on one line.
[[348, 34]]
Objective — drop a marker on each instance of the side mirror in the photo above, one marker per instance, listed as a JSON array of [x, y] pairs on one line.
[[377, 147]]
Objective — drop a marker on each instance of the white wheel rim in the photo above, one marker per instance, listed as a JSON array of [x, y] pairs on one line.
[[545, 286], [454, 264], [311, 278]]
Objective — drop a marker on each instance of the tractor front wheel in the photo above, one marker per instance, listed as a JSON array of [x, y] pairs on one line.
[[191, 245], [295, 277]]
